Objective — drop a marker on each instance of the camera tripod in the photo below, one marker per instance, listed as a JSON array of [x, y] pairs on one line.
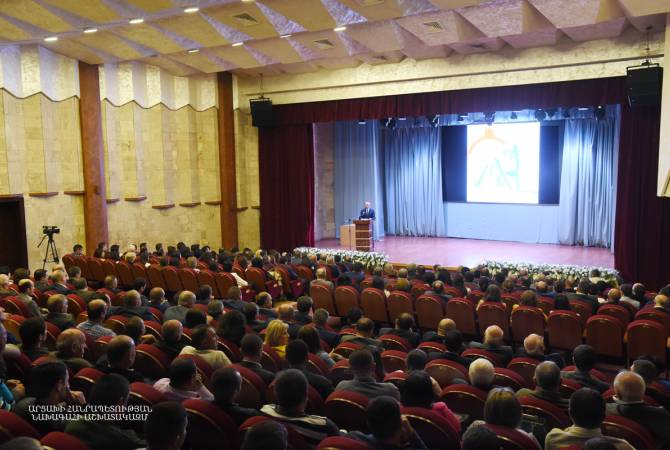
[[50, 249]]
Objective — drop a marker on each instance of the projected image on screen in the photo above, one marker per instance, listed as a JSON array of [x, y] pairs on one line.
[[504, 163]]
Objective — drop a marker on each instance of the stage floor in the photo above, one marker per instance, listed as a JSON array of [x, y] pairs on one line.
[[453, 252]]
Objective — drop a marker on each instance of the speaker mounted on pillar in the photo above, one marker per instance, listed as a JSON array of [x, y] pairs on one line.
[[643, 84], [261, 112]]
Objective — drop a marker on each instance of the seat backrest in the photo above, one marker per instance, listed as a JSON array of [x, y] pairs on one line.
[[524, 367], [207, 277], [253, 389], [399, 302], [462, 312], [144, 394], [564, 329], [188, 280], [429, 347], [57, 440], [139, 271], [652, 314], [527, 320], [492, 313], [340, 371], [373, 304], [347, 410], [52, 335], [583, 308], [204, 368], [429, 312], [231, 349], [481, 353], [271, 359], [554, 417], [623, 428], [151, 362], [14, 305], [342, 443], [96, 269], [617, 311], [125, 272], [14, 426], [224, 281], [295, 440], [394, 360], [75, 304], [546, 304], [209, 427], [171, 277], [393, 342], [433, 429], [444, 371], [346, 348], [465, 399], [155, 276], [256, 278], [512, 439], [605, 334], [346, 297], [509, 378], [85, 379], [304, 272], [646, 337], [323, 298]]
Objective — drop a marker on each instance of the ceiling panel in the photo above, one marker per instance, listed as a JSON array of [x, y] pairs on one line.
[[376, 9], [34, 14], [441, 28], [279, 49], [645, 7], [377, 36], [200, 61], [146, 35], [244, 17], [94, 10], [170, 65], [152, 6], [10, 32], [323, 44], [111, 44], [311, 14], [195, 28], [602, 30], [238, 56], [76, 50]]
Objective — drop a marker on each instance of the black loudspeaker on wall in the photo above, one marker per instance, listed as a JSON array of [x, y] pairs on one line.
[[643, 84], [261, 112]]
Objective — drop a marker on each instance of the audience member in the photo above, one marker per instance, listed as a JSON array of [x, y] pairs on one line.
[[584, 357], [297, 355], [183, 382], [204, 344], [96, 310], [362, 365], [365, 328], [453, 340], [25, 294], [305, 305], [547, 380], [33, 333], [266, 435], [493, 342], [286, 314], [481, 373], [418, 391], [443, 327], [252, 353], [404, 325], [320, 319], [120, 359], [157, 300], [226, 384], [250, 312], [58, 315], [321, 280], [276, 336], [231, 326], [172, 341], [533, 347], [194, 317], [166, 426], [70, 348], [184, 303], [479, 438]]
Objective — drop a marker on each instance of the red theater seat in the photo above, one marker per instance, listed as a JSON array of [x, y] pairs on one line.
[[85, 379], [340, 371], [253, 389], [317, 365], [564, 329], [511, 439], [342, 443], [635, 434], [323, 298], [525, 367], [393, 342], [481, 353], [373, 304], [435, 431], [346, 298], [151, 361], [57, 440], [188, 280], [647, 337], [465, 399], [13, 426], [347, 410], [617, 311], [509, 378], [553, 416], [399, 302], [209, 428], [605, 334], [527, 320], [394, 360], [492, 313], [295, 439], [429, 312], [462, 312], [445, 371]]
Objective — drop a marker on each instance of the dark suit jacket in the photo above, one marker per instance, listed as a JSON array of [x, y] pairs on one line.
[[139, 311], [59, 289], [237, 412], [43, 286], [653, 418], [302, 318], [370, 214], [413, 338], [172, 350], [503, 352], [234, 304], [555, 357], [267, 376], [593, 301], [328, 336], [451, 356], [432, 336], [268, 312], [322, 384], [61, 320], [586, 380]]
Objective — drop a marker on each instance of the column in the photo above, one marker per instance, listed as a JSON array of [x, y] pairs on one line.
[[227, 161]]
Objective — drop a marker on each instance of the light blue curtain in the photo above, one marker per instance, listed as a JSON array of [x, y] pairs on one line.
[[413, 181], [358, 173], [588, 181]]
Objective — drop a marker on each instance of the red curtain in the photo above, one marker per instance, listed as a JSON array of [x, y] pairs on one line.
[[642, 233], [286, 171]]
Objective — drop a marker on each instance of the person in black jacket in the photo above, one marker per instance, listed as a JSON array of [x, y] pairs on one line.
[[297, 355], [226, 384], [403, 328], [252, 352]]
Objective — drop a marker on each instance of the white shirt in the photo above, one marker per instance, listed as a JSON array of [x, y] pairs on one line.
[[215, 358], [240, 281]]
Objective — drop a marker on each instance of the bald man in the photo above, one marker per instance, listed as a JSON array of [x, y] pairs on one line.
[[443, 327], [120, 359], [547, 379], [70, 348], [185, 302], [172, 342], [533, 347], [629, 402], [96, 310], [286, 312], [493, 342], [157, 299], [132, 307], [58, 315], [662, 304]]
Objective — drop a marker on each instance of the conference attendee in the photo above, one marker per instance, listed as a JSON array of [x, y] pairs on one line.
[[204, 295], [265, 307], [58, 315], [157, 299], [584, 357], [661, 304], [479, 438], [33, 333], [228, 268], [183, 382], [304, 305], [613, 297], [481, 373], [96, 310], [231, 326], [291, 393], [171, 342], [561, 303], [587, 412], [297, 355], [195, 317], [357, 274], [252, 353], [47, 387], [320, 319], [453, 340], [166, 426], [321, 279], [533, 347], [26, 292], [110, 390], [547, 380], [582, 293], [59, 280], [648, 370], [185, 302], [81, 289], [310, 336], [417, 391], [629, 402], [277, 336], [639, 294], [493, 342], [111, 283], [443, 327], [215, 311], [70, 348], [120, 359], [365, 328], [204, 344], [5, 291], [41, 283], [437, 289], [367, 212], [362, 366], [250, 311], [492, 294], [226, 385], [404, 325], [388, 428], [286, 313], [132, 306], [627, 295]]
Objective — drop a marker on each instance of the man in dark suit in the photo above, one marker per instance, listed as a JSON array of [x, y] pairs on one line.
[[251, 348], [226, 384], [81, 289], [304, 305], [403, 328], [297, 356], [533, 347], [367, 212], [584, 357], [41, 282], [132, 306], [321, 324], [454, 343], [493, 342], [583, 294], [59, 280], [57, 305]]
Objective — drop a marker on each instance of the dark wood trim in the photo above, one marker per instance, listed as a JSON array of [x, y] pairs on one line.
[[243, 208], [213, 202], [136, 199], [228, 182], [82, 192], [256, 207], [11, 196], [166, 206], [190, 205], [20, 238], [112, 200], [42, 194]]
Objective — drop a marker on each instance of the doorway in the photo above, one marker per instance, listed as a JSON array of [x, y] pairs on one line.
[[13, 244]]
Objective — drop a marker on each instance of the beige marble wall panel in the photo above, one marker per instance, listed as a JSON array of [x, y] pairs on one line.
[[51, 146], [126, 126], [183, 161], [207, 143], [248, 190], [169, 158], [140, 143], [154, 165], [664, 142], [66, 122], [35, 180], [113, 168], [324, 181], [14, 141], [4, 163]]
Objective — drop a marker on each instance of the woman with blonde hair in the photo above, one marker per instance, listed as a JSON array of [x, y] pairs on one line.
[[276, 336]]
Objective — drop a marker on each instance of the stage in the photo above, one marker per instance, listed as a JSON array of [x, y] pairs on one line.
[[453, 252]]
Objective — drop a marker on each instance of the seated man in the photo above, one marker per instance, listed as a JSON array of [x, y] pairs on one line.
[[226, 384], [41, 282], [587, 411], [233, 299], [547, 383], [57, 305], [584, 357], [165, 427], [59, 279], [301, 316], [120, 359], [33, 333], [320, 319], [454, 343], [110, 390], [132, 306], [96, 310], [493, 342], [443, 327], [266, 435], [250, 312], [291, 391], [252, 352], [264, 302], [70, 348], [389, 429], [26, 291], [81, 289], [362, 366], [183, 382], [157, 299], [533, 347], [286, 314], [173, 341], [365, 329], [404, 325], [481, 373], [629, 402], [437, 289], [321, 280], [184, 303], [204, 343], [297, 356]]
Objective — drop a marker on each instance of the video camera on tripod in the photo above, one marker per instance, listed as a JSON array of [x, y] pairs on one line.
[[48, 231]]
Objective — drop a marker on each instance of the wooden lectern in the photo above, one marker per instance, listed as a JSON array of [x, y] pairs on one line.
[[364, 235]]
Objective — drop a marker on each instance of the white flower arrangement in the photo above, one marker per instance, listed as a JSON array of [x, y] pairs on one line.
[[368, 259], [556, 271]]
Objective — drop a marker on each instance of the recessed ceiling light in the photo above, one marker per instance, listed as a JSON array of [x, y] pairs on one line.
[[136, 21], [51, 38], [342, 28], [237, 44], [191, 9], [194, 50], [90, 30], [284, 36], [248, 1]]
